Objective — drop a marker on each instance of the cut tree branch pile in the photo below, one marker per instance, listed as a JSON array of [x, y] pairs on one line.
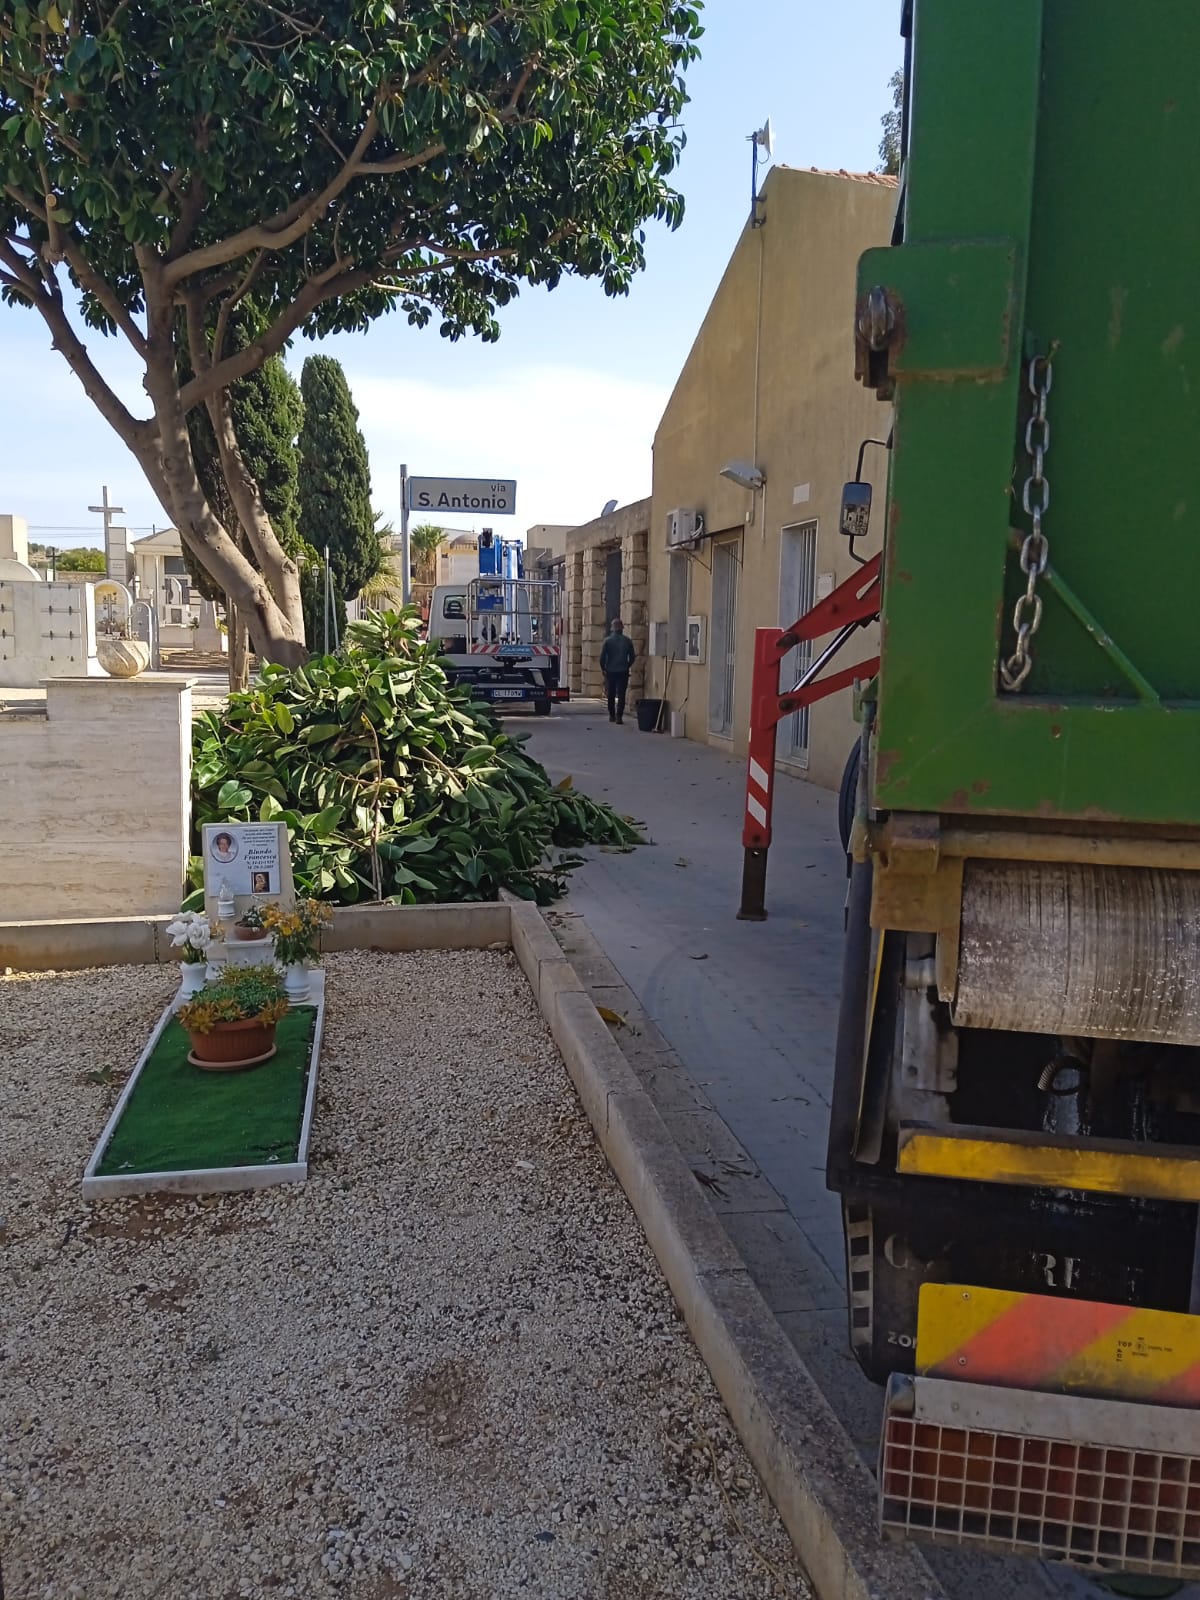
[[393, 784]]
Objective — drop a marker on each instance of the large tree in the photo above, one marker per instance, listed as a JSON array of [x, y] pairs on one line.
[[328, 161], [335, 478]]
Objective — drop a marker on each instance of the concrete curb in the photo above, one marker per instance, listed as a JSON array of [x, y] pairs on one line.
[[65, 946], [803, 1455]]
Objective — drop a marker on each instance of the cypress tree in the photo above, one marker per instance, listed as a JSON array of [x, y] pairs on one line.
[[335, 477]]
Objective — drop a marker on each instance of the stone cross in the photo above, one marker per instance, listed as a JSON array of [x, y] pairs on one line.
[[108, 513]]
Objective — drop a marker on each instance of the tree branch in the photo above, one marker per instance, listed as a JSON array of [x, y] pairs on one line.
[[374, 169], [191, 208], [218, 346], [135, 431], [282, 230], [197, 339], [25, 201], [101, 290], [334, 281]]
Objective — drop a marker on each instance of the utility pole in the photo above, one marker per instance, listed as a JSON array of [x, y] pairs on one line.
[[405, 563]]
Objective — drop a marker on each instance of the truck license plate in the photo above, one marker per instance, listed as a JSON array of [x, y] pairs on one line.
[[508, 694]]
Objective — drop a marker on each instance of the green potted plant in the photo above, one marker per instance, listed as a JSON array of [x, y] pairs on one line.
[[296, 933], [231, 1021]]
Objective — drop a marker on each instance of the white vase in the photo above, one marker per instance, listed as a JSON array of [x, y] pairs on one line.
[[295, 982], [192, 976], [122, 658]]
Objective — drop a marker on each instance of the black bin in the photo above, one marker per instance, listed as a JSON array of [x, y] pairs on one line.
[[648, 714]]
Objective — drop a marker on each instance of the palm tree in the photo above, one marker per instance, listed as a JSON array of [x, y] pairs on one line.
[[424, 542]]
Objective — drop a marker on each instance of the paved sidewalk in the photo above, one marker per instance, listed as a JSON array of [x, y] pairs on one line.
[[731, 1026]]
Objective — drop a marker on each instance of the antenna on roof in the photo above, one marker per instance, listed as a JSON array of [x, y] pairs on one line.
[[763, 140]]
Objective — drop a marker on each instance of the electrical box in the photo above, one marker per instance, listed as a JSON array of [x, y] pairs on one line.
[[696, 641]]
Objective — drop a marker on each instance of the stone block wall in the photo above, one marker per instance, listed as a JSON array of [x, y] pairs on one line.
[[94, 800], [588, 549], [634, 600], [573, 664]]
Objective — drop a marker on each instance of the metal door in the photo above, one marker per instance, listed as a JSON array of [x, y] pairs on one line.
[[797, 594], [724, 638], [612, 587]]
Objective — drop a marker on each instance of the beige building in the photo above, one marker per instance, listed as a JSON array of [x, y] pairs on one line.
[[769, 385], [547, 541]]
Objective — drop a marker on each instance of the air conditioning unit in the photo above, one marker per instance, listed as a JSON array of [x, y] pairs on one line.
[[684, 527], [660, 639], [697, 639]]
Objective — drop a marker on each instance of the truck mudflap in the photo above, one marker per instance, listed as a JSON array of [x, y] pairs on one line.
[[1068, 1432]]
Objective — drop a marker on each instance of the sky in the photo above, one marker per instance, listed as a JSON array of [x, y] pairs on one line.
[[568, 400]]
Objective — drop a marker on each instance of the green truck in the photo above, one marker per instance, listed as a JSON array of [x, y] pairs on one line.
[[1015, 1128]]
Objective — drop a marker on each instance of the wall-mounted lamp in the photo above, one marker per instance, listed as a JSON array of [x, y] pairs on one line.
[[745, 474]]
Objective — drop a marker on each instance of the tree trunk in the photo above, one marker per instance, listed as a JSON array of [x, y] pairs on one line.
[[275, 634], [239, 648], [281, 572], [270, 603]]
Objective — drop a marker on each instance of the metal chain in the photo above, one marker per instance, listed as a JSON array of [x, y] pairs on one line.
[[1035, 550]]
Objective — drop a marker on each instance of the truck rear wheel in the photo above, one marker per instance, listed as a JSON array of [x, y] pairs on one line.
[[541, 708]]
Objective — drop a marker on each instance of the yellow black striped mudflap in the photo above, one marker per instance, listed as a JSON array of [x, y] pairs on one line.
[[1058, 1429]]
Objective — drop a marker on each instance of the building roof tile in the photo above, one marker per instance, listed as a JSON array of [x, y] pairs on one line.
[[882, 180]]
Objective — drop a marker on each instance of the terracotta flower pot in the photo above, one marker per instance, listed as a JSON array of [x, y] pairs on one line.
[[233, 1046], [239, 932]]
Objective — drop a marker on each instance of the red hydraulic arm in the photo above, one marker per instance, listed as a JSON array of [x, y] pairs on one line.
[[852, 605]]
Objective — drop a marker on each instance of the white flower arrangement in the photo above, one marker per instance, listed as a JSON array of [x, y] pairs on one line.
[[191, 933]]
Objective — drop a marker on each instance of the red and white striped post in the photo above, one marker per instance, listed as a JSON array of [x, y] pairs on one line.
[[760, 773], [852, 605]]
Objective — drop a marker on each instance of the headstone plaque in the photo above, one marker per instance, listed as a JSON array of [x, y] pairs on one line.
[[249, 862]]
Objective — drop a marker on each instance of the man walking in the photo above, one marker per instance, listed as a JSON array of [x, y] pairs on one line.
[[617, 655]]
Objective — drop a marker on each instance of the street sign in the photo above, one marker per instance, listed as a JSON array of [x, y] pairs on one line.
[[497, 497]]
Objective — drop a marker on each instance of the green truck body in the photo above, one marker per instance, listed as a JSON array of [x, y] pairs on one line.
[[1048, 207]]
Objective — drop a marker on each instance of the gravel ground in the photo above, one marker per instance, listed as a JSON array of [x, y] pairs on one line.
[[446, 1366]]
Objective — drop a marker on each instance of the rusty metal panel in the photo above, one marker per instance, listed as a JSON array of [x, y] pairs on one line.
[[1102, 952]]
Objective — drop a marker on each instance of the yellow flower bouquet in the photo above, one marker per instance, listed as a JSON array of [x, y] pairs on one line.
[[296, 931]]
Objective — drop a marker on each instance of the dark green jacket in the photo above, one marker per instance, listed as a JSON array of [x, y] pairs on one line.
[[617, 653]]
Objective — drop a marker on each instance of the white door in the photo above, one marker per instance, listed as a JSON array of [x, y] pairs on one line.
[[797, 593], [723, 651]]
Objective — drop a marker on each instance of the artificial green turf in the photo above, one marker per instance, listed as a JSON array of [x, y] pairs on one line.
[[180, 1119]]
